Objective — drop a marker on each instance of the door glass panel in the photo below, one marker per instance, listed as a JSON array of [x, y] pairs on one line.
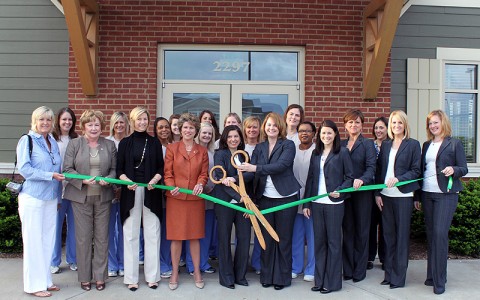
[[261, 104], [274, 66], [461, 109], [196, 103]]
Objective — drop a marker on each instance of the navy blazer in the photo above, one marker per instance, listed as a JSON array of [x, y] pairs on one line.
[[338, 173], [407, 164], [364, 158], [451, 153], [279, 165], [220, 191]]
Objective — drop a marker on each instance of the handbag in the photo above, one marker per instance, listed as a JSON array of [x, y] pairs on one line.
[[13, 185]]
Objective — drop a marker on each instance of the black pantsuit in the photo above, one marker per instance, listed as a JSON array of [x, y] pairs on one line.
[[327, 223], [439, 209], [276, 259], [396, 217], [232, 270], [397, 211], [356, 222]]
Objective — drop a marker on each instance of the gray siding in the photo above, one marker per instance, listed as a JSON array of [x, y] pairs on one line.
[[420, 31], [33, 66]]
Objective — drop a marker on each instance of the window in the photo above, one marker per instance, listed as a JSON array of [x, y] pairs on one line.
[[461, 104]]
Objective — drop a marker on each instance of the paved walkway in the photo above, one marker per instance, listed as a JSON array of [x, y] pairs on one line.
[[463, 283]]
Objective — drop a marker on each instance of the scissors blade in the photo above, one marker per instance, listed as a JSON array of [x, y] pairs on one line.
[[256, 227], [261, 218]]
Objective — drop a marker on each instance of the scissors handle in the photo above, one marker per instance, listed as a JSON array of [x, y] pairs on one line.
[[238, 152], [212, 178]]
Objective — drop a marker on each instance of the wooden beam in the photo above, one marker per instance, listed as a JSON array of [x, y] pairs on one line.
[[375, 58], [83, 38]]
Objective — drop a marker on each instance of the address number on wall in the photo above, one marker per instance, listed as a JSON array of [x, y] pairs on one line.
[[226, 66]]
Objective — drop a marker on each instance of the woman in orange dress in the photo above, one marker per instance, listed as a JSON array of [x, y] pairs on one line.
[[186, 166]]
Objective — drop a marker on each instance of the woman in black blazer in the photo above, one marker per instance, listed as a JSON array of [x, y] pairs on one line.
[[231, 271], [399, 160], [356, 221], [330, 171], [275, 184], [442, 157]]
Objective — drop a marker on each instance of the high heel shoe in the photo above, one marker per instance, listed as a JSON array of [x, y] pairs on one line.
[[173, 285], [133, 287], [200, 284], [86, 286]]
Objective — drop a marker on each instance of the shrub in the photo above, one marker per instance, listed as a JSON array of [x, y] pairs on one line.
[[464, 233], [10, 227]]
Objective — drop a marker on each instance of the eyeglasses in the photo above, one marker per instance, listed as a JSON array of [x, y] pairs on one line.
[[53, 158], [163, 127], [305, 131]]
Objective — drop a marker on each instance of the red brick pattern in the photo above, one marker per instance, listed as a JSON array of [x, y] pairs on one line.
[[330, 30]]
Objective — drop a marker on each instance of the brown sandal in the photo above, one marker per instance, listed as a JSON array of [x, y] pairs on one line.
[[86, 286], [100, 286], [53, 288]]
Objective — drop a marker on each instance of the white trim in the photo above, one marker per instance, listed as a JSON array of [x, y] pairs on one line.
[[458, 54], [445, 3], [6, 168], [58, 5]]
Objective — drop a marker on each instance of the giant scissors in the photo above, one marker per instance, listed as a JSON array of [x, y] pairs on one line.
[[240, 188]]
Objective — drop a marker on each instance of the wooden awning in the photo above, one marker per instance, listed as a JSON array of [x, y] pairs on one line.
[[380, 19], [81, 17]]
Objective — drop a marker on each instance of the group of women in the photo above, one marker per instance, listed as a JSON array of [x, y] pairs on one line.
[[288, 159]]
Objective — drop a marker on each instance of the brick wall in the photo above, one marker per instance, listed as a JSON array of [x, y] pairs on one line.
[[330, 31]]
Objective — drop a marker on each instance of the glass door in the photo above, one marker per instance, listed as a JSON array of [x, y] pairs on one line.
[[194, 98], [260, 99]]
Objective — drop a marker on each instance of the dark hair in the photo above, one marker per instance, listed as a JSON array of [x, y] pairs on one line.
[[158, 119], [292, 106], [57, 132], [214, 122], [336, 142], [222, 144], [174, 116], [314, 129], [384, 120]]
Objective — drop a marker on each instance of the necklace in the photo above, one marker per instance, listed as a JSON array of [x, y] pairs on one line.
[[143, 154], [93, 155]]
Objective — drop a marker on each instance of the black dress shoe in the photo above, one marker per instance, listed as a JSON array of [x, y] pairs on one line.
[[278, 287], [244, 283], [266, 285], [369, 265], [428, 282], [394, 286], [347, 277], [358, 280], [439, 291], [230, 286], [325, 291], [385, 282], [316, 289]]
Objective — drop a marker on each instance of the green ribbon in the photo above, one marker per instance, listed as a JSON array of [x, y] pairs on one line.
[[236, 207]]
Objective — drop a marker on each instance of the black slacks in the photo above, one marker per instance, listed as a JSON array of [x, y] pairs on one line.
[[276, 259], [356, 233], [232, 270], [327, 231], [396, 217], [376, 241], [438, 209]]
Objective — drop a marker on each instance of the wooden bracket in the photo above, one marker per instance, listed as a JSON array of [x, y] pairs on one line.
[[380, 20], [81, 17]]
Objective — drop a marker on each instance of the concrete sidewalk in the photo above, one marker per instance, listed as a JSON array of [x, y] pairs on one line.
[[463, 283]]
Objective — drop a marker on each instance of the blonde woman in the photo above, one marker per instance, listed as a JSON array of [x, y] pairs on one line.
[[140, 160], [38, 200], [399, 160]]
